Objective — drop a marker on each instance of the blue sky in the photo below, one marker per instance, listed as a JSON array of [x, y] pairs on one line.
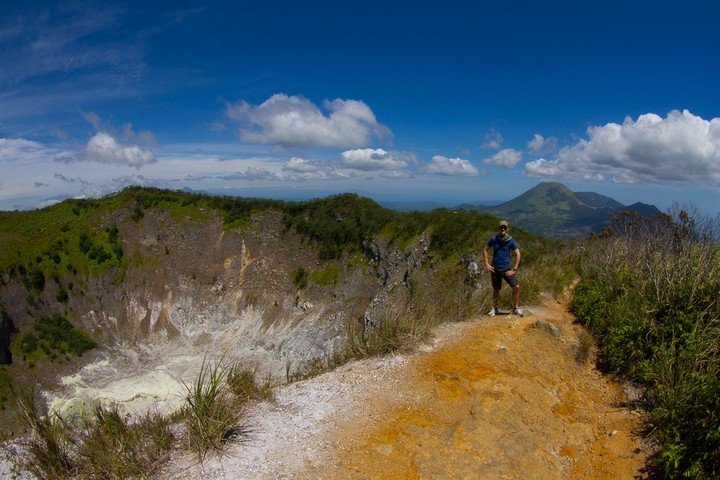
[[446, 101]]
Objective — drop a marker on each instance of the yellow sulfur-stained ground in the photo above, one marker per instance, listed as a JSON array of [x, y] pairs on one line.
[[496, 400]]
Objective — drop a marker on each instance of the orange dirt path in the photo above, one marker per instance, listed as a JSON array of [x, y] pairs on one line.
[[496, 399]]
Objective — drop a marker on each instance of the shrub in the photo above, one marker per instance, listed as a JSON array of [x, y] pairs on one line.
[[36, 279], [55, 335], [299, 278], [649, 292], [61, 295]]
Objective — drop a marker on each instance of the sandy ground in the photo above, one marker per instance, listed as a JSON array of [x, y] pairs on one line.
[[492, 398]]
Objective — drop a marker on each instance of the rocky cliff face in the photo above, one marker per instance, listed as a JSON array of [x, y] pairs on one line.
[[191, 288]]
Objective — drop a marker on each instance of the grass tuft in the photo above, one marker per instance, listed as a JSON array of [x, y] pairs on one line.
[[243, 383], [209, 410], [586, 343], [51, 448], [104, 444]]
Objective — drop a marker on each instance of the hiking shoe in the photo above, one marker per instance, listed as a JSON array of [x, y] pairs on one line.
[[518, 312], [493, 312]]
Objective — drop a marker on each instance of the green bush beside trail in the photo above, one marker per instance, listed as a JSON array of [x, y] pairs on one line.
[[649, 293]]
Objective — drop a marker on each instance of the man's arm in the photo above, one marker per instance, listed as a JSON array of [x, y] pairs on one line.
[[517, 260], [488, 267]]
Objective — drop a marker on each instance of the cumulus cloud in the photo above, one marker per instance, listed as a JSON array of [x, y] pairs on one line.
[[127, 134], [104, 148], [440, 165], [300, 165], [679, 148], [369, 159], [292, 121], [493, 141], [300, 169], [539, 144], [507, 158]]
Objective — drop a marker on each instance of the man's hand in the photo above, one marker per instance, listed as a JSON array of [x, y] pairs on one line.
[[510, 272], [489, 268]]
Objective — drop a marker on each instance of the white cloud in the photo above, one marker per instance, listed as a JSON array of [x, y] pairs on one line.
[[679, 148], [300, 169], [103, 148], [451, 166], [300, 165], [507, 158], [369, 159], [291, 121], [252, 173], [493, 141], [539, 144], [21, 150]]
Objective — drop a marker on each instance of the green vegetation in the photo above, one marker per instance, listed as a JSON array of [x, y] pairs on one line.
[[54, 241], [338, 223], [326, 276], [4, 388], [106, 444], [212, 405], [52, 336], [299, 278], [243, 383], [50, 454], [649, 293], [113, 447]]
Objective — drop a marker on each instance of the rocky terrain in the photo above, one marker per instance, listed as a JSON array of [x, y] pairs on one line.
[[489, 398], [191, 289], [504, 397]]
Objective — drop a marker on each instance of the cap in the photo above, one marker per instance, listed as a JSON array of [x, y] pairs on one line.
[[503, 223]]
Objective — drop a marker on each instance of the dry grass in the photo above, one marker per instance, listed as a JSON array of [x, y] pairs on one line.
[[104, 444], [243, 382], [586, 344]]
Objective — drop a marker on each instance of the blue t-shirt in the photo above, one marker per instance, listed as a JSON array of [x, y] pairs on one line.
[[501, 252]]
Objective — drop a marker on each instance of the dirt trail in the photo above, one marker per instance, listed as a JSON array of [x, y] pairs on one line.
[[492, 398]]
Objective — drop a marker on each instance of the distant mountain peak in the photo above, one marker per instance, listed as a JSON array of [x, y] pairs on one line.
[[552, 209]]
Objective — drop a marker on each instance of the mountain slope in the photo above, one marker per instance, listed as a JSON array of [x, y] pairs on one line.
[[552, 209]]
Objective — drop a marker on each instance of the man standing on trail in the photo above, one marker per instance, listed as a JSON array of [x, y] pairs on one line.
[[500, 268]]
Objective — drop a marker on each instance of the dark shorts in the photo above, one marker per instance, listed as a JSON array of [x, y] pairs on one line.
[[498, 276]]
